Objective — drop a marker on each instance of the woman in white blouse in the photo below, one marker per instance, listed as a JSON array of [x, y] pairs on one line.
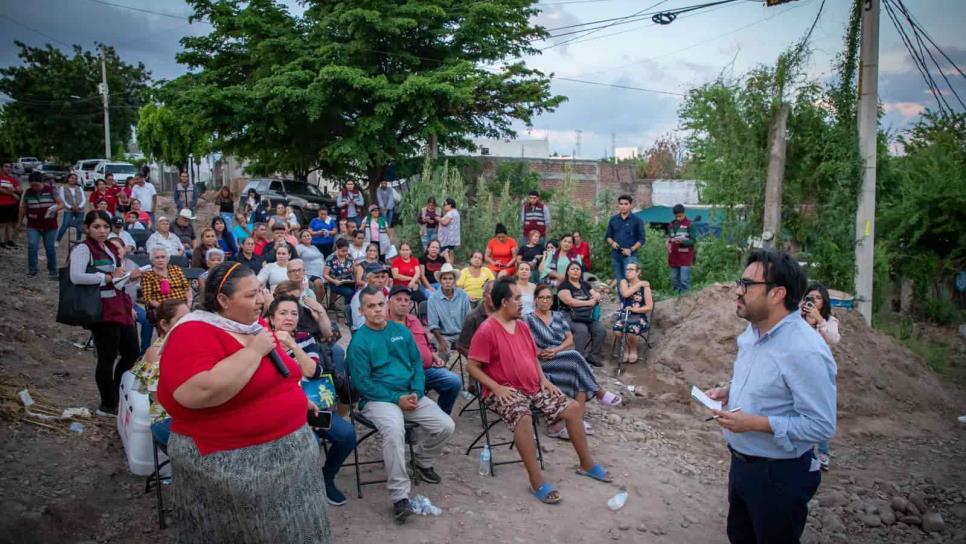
[[816, 310], [275, 273]]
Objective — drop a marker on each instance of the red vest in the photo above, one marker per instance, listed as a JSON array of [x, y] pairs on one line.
[[38, 202], [116, 305], [533, 219], [679, 255]]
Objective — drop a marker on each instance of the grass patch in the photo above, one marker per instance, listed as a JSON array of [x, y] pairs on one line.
[[935, 353]]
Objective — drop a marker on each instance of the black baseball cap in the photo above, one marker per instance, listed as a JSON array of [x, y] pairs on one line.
[[117, 221], [396, 289], [374, 268]]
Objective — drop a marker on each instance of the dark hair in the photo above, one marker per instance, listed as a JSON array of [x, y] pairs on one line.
[[276, 302], [431, 200], [94, 215], [215, 286], [500, 228], [166, 311], [259, 224], [288, 286], [341, 243], [253, 192], [218, 219], [678, 208], [502, 290], [628, 198], [99, 181], [541, 287], [451, 201], [35, 176], [368, 291], [781, 270], [534, 193], [278, 226], [826, 310], [578, 265]]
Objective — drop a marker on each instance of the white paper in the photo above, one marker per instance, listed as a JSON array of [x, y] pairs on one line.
[[699, 396]]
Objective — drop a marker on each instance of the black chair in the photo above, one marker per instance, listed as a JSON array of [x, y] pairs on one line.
[[180, 260], [156, 479], [140, 259], [488, 424], [140, 236], [370, 429], [619, 346]]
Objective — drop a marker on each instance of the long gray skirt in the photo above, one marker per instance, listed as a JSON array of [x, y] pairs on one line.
[[570, 372], [269, 493]]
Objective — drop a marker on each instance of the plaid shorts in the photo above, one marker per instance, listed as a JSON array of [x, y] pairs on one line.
[[551, 405]]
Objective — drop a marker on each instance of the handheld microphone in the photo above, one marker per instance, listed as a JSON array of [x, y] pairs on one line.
[[273, 355]]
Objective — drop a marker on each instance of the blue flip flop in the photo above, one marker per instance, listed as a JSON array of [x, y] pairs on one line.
[[597, 472], [543, 493]]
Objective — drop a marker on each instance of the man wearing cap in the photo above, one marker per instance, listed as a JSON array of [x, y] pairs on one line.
[[387, 371], [184, 230], [39, 206], [117, 231], [438, 378], [447, 308], [279, 233], [377, 278], [163, 237]]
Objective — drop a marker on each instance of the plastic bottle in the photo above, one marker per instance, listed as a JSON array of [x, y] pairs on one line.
[[485, 461], [617, 501], [77, 427]]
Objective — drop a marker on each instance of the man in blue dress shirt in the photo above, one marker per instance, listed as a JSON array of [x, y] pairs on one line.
[[625, 235], [781, 401]]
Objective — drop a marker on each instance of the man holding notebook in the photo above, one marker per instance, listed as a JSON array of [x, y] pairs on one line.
[[781, 401]]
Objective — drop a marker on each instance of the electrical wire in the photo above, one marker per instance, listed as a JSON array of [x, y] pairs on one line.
[[672, 93], [142, 10], [919, 34], [920, 63], [32, 29]]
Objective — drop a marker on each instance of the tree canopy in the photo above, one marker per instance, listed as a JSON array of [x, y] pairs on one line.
[[348, 87], [56, 110], [168, 135]]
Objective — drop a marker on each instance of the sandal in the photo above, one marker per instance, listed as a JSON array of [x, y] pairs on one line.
[[560, 433], [546, 493], [597, 472], [610, 399], [588, 430]]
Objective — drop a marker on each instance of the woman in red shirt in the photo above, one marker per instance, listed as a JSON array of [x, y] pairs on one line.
[[407, 272], [583, 249], [501, 253], [226, 397]]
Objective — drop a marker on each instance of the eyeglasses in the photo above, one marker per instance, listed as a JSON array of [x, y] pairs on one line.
[[745, 283]]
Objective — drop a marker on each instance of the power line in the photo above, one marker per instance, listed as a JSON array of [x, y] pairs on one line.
[[672, 93], [28, 27], [619, 22], [142, 10], [917, 60]]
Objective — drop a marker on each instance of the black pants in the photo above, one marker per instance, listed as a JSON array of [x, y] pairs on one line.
[[769, 499], [112, 340]]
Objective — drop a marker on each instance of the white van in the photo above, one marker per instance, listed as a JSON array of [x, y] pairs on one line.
[[122, 171]]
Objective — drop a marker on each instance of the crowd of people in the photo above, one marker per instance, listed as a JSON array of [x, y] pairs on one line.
[[225, 361]]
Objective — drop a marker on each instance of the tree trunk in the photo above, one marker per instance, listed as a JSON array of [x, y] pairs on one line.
[[776, 177]]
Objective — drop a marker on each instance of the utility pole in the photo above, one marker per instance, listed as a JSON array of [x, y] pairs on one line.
[[577, 151], [868, 139], [613, 146], [107, 118], [776, 176]]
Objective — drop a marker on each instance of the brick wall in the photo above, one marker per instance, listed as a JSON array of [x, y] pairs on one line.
[[590, 177]]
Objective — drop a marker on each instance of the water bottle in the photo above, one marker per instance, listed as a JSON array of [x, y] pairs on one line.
[[485, 461], [617, 501]]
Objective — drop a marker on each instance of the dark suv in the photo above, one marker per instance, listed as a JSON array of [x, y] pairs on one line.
[[304, 198]]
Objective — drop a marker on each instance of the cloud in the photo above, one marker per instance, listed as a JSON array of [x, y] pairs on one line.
[[908, 110]]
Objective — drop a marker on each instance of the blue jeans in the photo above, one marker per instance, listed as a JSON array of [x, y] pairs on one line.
[[447, 384], [33, 249], [71, 219], [161, 430], [147, 328], [229, 219], [428, 237], [681, 277], [344, 291], [388, 214], [619, 262], [342, 440]]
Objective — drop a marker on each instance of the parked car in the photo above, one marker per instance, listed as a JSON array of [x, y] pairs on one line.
[[122, 171], [28, 163], [304, 198], [84, 169], [53, 173]]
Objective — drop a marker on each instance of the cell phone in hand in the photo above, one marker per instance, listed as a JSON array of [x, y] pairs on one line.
[[321, 420]]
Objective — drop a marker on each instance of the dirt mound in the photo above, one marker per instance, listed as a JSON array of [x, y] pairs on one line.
[[879, 381]]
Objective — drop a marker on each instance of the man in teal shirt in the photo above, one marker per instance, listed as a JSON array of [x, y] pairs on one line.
[[387, 371]]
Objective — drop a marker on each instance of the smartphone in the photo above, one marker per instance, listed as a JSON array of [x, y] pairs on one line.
[[322, 420]]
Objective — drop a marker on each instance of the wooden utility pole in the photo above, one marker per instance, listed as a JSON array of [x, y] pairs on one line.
[[771, 231], [868, 139], [107, 118]]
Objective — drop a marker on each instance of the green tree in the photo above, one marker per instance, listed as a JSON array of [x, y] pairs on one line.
[[56, 111], [348, 87], [167, 135], [517, 176]]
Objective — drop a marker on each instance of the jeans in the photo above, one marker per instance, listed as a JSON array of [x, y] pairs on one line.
[[342, 440], [389, 213], [619, 262], [110, 340], [147, 328], [161, 430], [33, 248], [447, 384], [344, 291], [428, 237], [71, 219], [681, 277], [768, 500]]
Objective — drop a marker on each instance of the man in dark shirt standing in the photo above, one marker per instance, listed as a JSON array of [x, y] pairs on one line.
[[625, 235]]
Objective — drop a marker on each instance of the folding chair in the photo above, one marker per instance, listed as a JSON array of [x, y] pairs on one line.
[[620, 339], [488, 424], [140, 236], [156, 479], [193, 275], [370, 429], [180, 260], [140, 259]]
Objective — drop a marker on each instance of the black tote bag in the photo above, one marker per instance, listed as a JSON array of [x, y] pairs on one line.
[[78, 305]]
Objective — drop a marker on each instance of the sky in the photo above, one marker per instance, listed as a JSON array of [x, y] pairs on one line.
[[693, 50]]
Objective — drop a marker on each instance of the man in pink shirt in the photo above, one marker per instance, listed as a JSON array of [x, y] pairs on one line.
[[503, 358], [438, 378]]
